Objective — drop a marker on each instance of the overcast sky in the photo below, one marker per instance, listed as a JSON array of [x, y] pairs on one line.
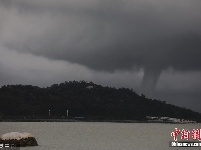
[[152, 46]]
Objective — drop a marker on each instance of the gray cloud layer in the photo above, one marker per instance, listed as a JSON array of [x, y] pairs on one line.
[[107, 35]]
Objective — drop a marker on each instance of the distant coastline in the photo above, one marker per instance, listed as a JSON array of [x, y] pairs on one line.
[[87, 120], [75, 101]]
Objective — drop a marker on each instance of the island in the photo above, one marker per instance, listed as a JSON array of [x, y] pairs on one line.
[[86, 101]]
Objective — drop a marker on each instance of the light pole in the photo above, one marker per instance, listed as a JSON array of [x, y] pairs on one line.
[[67, 112], [49, 112]]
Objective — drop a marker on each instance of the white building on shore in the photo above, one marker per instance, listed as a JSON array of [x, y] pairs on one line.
[[168, 119]]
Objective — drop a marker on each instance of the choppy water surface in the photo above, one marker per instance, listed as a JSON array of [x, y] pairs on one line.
[[98, 136]]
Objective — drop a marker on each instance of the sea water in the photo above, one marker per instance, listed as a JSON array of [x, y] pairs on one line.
[[99, 135]]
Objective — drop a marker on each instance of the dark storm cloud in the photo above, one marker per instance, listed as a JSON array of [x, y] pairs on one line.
[[107, 35]]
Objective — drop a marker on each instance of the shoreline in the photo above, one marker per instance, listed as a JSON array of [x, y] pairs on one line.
[[88, 120]]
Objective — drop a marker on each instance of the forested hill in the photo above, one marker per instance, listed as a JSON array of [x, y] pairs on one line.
[[84, 99]]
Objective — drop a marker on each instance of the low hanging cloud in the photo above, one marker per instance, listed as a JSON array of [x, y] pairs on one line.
[[107, 35], [20, 68]]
